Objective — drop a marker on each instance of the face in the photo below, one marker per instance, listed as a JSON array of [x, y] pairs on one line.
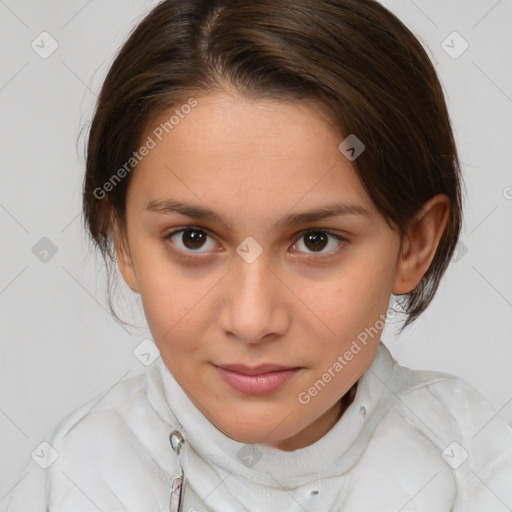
[[250, 296]]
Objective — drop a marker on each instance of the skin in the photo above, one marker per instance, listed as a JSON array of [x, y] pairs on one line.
[[254, 162]]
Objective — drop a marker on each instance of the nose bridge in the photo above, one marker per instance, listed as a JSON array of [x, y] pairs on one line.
[[254, 305], [253, 283], [252, 271]]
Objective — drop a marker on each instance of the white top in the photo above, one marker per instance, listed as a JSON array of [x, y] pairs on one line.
[[410, 440]]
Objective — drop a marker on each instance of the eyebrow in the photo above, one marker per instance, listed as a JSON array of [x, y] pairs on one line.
[[169, 206]]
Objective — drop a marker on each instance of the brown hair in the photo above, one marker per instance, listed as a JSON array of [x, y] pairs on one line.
[[354, 58]]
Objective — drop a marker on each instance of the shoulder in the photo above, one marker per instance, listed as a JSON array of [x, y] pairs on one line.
[[463, 426], [108, 410], [433, 397], [444, 398], [121, 419], [115, 436]]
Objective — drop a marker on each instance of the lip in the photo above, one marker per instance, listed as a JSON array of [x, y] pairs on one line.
[[254, 370], [259, 380]]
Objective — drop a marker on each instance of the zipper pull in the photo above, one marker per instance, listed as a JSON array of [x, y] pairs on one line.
[[175, 505], [177, 441]]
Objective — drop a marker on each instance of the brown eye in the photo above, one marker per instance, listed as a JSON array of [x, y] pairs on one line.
[[189, 240], [193, 239], [316, 240]]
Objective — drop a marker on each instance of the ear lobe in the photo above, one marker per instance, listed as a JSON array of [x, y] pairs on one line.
[[420, 243], [124, 259]]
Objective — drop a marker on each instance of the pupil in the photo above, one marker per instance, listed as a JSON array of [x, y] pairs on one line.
[[193, 239], [317, 239]]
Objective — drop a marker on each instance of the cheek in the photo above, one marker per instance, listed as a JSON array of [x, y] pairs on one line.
[[354, 302], [176, 308], [167, 295]]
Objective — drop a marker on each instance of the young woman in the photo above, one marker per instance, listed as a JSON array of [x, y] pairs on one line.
[[267, 176]]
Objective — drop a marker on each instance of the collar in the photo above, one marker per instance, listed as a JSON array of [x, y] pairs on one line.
[[334, 454]]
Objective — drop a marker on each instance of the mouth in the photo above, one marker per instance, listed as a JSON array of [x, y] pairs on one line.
[[259, 380]]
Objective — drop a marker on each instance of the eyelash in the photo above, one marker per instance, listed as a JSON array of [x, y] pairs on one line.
[[319, 256]]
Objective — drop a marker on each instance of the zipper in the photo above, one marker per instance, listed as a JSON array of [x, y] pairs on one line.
[[177, 488]]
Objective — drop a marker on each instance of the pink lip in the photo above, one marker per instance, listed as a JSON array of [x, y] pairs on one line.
[[255, 381]]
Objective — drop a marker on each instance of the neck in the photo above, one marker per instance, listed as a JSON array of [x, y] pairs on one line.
[[323, 424]]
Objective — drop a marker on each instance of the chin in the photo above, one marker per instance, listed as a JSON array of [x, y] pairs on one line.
[[257, 430], [251, 436]]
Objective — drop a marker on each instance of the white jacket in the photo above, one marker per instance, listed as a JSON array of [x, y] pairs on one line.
[[411, 441]]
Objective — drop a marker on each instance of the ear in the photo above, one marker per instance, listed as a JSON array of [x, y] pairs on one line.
[[420, 243], [124, 259]]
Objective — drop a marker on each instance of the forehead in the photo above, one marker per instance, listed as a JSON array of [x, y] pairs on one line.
[[233, 151], [242, 124]]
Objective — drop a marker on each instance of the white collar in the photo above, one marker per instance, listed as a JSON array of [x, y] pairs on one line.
[[335, 453]]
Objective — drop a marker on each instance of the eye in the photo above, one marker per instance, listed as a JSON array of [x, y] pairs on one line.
[[190, 239], [316, 240]]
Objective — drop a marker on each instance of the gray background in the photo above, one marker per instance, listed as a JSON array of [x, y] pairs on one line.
[[60, 347]]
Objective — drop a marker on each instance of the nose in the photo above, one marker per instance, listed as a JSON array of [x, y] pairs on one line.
[[255, 309]]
